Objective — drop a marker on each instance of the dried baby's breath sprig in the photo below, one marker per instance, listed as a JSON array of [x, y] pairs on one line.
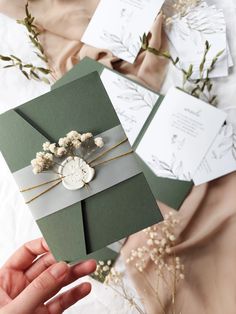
[[43, 161], [30, 71], [102, 270], [200, 88], [114, 279], [169, 270], [66, 146]]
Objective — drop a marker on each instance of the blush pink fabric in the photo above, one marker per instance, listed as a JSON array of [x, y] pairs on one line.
[[206, 236], [206, 244], [63, 23]]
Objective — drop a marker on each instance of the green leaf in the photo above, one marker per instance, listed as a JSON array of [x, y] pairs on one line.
[[45, 80], [220, 53], [5, 58], [34, 75], [42, 57], [8, 66], [176, 61], [190, 71], [16, 58], [207, 45], [27, 9], [144, 41], [43, 70], [25, 74], [166, 54], [22, 22], [28, 65]]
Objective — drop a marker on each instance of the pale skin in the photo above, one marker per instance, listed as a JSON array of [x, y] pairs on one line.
[[31, 278]]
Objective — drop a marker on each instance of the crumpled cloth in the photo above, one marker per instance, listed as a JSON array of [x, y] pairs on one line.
[[206, 244], [206, 236], [63, 23]]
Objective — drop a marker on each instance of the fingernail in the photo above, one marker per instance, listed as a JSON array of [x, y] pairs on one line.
[[45, 245], [59, 270]]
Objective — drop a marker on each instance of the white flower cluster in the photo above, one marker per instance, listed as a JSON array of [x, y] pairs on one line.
[[43, 161], [66, 146], [158, 249], [53, 149], [102, 270], [74, 140]]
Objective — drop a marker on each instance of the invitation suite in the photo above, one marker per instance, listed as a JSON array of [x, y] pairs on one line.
[[132, 102], [117, 25], [220, 159], [76, 170], [160, 186], [180, 135], [189, 33]]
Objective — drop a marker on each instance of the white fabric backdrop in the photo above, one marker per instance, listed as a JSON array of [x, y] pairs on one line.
[[16, 223]]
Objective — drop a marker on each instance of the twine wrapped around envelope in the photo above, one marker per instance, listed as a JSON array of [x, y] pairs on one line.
[[114, 163]]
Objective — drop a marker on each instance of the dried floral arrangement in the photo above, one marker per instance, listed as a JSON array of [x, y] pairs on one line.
[[157, 253], [72, 159], [29, 70]]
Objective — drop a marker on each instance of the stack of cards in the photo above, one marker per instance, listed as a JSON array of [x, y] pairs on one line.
[[117, 25], [188, 34]]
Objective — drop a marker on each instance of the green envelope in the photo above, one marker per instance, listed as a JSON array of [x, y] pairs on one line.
[[169, 191], [81, 230]]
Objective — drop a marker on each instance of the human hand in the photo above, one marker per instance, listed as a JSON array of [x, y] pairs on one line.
[[31, 278]]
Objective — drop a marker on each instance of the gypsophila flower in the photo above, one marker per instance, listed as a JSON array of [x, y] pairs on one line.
[[158, 250], [63, 142], [60, 151], [52, 148], [43, 161], [69, 145], [46, 146], [76, 144], [86, 136], [73, 135], [99, 142]]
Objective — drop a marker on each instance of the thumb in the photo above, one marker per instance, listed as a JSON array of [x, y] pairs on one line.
[[41, 289]]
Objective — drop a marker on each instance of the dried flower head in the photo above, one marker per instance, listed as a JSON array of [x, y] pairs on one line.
[[158, 248], [67, 146], [43, 161], [99, 142]]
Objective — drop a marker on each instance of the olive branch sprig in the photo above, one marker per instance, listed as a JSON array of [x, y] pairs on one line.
[[200, 88], [33, 33], [29, 70]]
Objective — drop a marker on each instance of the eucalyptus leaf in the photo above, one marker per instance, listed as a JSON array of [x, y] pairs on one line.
[[25, 74], [5, 58]]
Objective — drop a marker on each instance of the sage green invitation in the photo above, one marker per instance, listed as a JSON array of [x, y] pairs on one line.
[[81, 230], [169, 191]]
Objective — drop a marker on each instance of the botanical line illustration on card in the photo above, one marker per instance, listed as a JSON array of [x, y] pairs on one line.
[[132, 102], [172, 170], [221, 157], [124, 24], [125, 44], [133, 93], [227, 143]]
